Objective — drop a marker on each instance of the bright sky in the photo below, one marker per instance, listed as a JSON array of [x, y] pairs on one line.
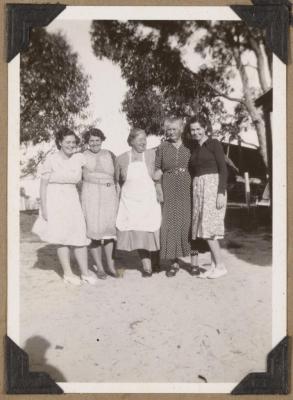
[[106, 85], [108, 88]]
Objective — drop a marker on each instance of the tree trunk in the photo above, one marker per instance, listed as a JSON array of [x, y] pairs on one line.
[[260, 64], [252, 110]]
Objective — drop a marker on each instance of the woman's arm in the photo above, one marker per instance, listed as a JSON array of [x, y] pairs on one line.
[[43, 197], [223, 173], [222, 167], [158, 174]]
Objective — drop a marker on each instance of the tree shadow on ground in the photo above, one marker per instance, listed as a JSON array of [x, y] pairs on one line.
[[249, 236], [47, 260], [36, 348]]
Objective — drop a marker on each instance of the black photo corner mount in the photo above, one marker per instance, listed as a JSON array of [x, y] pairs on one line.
[[275, 380], [20, 18], [273, 16], [19, 380]]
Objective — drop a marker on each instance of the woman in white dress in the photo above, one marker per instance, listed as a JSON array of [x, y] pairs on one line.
[[139, 213], [61, 220]]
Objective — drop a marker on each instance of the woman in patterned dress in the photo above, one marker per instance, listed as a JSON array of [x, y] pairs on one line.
[[99, 200], [61, 220], [172, 165], [209, 193]]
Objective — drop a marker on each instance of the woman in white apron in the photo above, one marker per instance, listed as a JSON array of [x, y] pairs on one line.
[[139, 213]]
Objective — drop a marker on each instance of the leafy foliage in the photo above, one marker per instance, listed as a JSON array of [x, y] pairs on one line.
[[53, 87], [150, 55]]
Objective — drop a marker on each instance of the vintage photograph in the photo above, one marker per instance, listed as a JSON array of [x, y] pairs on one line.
[[146, 167]]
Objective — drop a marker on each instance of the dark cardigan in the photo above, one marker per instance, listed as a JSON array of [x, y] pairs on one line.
[[209, 158]]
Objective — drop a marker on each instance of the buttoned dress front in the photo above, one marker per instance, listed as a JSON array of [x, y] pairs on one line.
[[176, 216]]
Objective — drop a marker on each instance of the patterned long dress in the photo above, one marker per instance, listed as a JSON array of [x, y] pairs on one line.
[[176, 215]]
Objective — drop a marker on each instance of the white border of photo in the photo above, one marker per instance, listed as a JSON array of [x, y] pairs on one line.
[[279, 270]]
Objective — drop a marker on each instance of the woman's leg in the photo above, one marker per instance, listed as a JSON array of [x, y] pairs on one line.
[[96, 252], [194, 258], [109, 248], [82, 259], [219, 268], [64, 258], [215, 251], [146, 260], [155, 260], [63, 253], [174, 268]]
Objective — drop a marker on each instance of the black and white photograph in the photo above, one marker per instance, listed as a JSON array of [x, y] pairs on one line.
[[147, 200]]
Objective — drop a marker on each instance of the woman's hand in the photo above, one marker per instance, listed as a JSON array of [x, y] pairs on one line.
[[43, 196], [158, 174], [159, 191], [220, 201]]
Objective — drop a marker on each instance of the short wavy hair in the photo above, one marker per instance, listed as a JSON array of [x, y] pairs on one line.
[[93, 132], [203, 120], [134, 132], [61, 134]]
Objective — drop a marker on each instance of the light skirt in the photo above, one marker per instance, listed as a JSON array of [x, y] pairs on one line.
[[207, 220], [99, 204], [66, 223], [138, 240]]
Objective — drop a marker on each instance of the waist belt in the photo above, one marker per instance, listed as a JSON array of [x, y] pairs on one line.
[[176, 171], [108, 184]]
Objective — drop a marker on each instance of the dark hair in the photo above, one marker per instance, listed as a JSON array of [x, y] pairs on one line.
[[93, 132], [202, 120], [133, 133], [62, 133]]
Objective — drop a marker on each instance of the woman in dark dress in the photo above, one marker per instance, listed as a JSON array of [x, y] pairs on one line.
[[172, 169], [209, 193]]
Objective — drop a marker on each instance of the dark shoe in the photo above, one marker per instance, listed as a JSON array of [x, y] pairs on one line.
[[101, 274], [146, 274], [194, 270], [114, 274], [172, 272], [156, 268]]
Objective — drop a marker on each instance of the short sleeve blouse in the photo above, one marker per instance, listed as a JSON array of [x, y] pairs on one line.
[[57, 169]]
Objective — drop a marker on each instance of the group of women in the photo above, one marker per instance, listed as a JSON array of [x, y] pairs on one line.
[[159, 202]]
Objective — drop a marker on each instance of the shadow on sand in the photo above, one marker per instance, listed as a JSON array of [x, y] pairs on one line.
[[36, 348]]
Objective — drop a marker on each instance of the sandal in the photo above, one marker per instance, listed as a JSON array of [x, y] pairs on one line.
[[194, 270], [172, 271], [101, 274], [114, 274]]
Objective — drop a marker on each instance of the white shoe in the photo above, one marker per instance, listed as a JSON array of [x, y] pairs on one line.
[[92, 280], [72, 280], [218, 272], [207, 273]]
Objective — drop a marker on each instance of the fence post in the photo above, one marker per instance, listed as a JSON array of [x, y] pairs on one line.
[[247, 189]]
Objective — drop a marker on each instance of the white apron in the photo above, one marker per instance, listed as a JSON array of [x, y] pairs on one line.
[[139, 209]]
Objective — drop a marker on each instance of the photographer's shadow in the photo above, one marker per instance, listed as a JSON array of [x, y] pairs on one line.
[[36, 348]]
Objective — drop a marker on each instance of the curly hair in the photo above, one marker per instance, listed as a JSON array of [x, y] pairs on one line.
[[62, 133], [93, 132]]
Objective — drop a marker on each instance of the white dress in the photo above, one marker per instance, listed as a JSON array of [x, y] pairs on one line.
[[65, 224]]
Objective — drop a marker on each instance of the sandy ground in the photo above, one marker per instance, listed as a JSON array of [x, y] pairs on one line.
[[157, 329]]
